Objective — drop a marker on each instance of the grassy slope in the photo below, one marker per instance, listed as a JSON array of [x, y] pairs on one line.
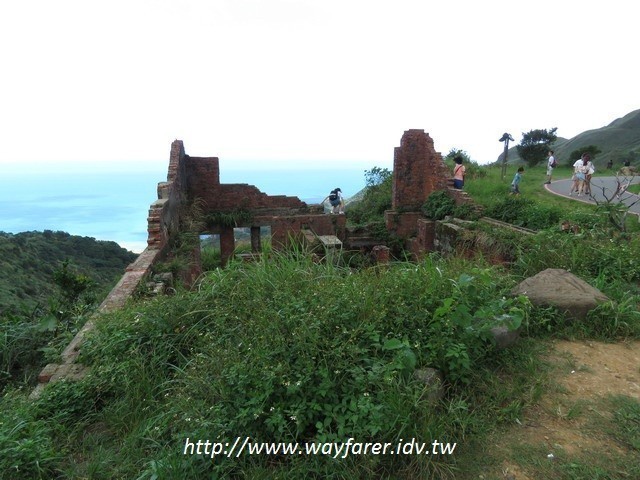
[[289, 350]]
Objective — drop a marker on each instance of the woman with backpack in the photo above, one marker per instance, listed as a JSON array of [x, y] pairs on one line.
[[336, 201]]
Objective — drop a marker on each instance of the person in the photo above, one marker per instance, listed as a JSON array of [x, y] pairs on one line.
[[622, 188], [576, 167], [515, 184], [587, 176], [581, 173], [336, 201], [458, 173], [551, 164]]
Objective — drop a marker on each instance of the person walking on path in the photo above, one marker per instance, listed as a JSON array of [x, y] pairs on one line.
[[580, 175], [575, 182], [551, 164], [515, 184]]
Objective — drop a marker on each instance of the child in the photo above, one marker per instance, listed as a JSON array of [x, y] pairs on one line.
[[515, 190], [458, 173]]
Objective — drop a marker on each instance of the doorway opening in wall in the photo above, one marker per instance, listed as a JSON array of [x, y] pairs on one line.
[[210, 252]]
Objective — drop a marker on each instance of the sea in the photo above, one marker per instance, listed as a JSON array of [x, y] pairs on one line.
[[113, 205]]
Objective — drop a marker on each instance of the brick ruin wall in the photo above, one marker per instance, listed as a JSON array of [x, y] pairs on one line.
[[418, 172]]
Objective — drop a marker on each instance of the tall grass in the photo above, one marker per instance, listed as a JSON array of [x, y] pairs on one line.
[[285, 350]]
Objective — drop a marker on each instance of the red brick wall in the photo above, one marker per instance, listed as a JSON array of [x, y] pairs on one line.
[[418, 171], [284, 227], [203, 182]]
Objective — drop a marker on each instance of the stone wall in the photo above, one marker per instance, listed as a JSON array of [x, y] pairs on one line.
[[418, 171], [164, 214], [203, 183]]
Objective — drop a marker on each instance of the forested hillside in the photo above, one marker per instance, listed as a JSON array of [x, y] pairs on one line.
[[28, 261]]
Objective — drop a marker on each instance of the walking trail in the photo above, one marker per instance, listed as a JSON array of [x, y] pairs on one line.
[[602, 189]]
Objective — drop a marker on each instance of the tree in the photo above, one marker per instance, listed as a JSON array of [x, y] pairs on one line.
[[616, 202], [535, 144], [456, 152], [377, 176], [376, 198], [592, 150]]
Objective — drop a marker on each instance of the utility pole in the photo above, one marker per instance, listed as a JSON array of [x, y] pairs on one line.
[[505, 138]]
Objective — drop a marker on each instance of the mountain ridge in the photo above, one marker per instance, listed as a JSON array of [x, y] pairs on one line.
[[619, 140]]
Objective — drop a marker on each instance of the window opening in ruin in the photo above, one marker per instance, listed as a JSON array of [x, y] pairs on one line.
[[252, 240]]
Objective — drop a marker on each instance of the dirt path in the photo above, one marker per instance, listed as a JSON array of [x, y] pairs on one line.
[[570, 418]]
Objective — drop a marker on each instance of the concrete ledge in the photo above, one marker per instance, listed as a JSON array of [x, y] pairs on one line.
[[115, 300]]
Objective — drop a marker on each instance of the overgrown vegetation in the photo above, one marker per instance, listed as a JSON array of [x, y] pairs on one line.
[[286, 349], [376, 198]]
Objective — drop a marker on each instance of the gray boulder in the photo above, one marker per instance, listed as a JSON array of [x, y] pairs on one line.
[[433, 383], [555, 287]]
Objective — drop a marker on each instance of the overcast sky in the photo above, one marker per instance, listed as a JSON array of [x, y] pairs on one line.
[[304, 82]]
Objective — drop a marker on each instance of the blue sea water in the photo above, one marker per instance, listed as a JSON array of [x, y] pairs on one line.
[[113, 205]]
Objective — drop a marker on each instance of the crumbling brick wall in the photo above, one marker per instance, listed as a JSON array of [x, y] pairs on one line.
[[418, 171]]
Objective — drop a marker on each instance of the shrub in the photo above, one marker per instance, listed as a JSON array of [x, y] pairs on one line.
[[438, 205], [376, 198], [524, 212]]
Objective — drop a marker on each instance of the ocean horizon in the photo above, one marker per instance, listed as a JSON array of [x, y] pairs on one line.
[[113, 205]]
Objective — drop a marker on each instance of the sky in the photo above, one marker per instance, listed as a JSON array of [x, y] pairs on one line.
[[303, 83]]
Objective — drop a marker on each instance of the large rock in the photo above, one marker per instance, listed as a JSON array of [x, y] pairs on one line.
[[555, 287]]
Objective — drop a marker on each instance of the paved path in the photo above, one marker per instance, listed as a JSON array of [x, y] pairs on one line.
[[601, 189]]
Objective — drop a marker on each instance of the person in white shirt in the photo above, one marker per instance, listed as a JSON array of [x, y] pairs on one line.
[[551, 164], [581, 169]]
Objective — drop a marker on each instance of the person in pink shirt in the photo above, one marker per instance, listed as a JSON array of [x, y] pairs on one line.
[[458, 173]]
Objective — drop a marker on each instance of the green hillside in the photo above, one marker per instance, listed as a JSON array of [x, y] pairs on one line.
[[29, 259], [618, 141], [298, 353]]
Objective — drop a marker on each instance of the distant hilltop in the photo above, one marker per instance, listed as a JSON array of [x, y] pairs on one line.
[[619, 141]]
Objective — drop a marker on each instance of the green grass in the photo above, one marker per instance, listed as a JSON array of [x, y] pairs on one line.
[[635, 188], [285, 349], [490, 190]]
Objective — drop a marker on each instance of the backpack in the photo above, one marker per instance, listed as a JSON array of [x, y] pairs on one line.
[[333, 195], [554, 164]]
